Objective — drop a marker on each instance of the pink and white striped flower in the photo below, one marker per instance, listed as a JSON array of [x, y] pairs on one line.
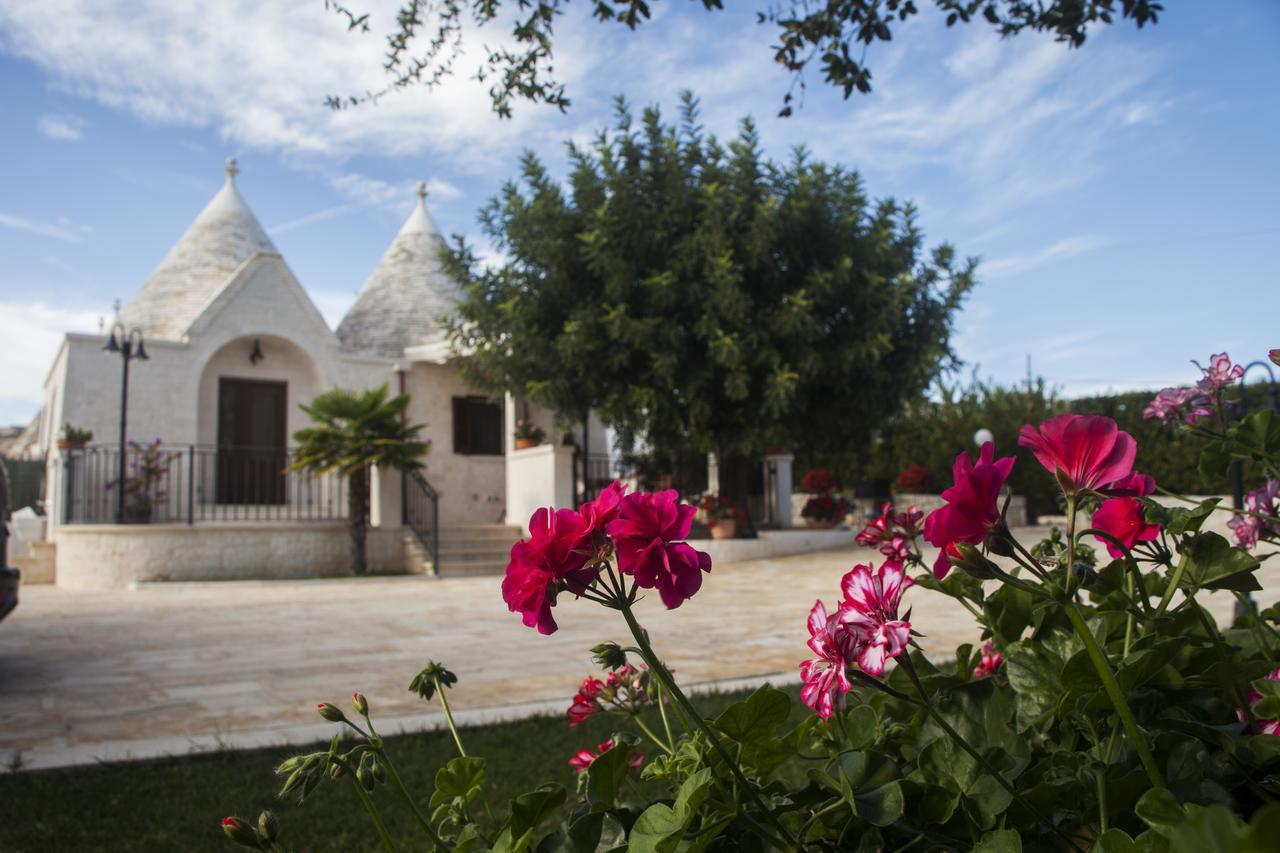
[[870, 613], [825, 681]]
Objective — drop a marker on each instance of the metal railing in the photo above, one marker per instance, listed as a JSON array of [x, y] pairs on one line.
[[176, 484], [593, 474], [422, 514]]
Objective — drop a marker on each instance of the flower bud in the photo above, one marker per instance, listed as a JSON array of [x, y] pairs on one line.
[[365, 778], [361, 704], [240, 832], [609, 656], [336, 770], [331, 712], [379, 772], [969, 560], [268, 826]]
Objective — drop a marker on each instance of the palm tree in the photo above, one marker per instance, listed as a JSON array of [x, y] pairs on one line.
[[354, 431]]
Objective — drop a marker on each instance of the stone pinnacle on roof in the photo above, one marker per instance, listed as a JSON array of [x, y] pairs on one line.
[[223, 236], [407, 294]]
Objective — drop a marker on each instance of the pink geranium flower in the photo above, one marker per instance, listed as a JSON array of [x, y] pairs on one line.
[[597, 514], [586, 702], [870, 613], [1123, 519], [646, 536], [877, 530], [988, 663], [1274, 355], [825, 681], [1249, 528], [554, 557], [583, 758], [1219, 374], [1085, 452], [1134, 486], [1266, 727], [972, 507]]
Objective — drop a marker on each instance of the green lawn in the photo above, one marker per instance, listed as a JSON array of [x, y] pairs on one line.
[[175, 804]]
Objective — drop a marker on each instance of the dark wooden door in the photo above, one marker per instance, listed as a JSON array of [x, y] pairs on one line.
[[251, 441]]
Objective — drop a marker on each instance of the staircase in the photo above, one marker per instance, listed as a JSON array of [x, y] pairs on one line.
[[39, 566], [476, 549]]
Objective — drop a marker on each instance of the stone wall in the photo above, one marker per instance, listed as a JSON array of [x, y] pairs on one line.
[[109, 556]]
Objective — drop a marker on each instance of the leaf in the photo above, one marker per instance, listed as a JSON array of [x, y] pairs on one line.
[[1159, 810], [757, 717], [999, 841], [1115, 841], [607, 773], [1259, 434], [861, 722], [658, 830], [881, 806], [1035, 672], [1189, 519], [1213, 563], [531, 810], [461, 778]]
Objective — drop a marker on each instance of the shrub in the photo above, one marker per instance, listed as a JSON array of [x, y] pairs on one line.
[[818, 481], [1099, 708]]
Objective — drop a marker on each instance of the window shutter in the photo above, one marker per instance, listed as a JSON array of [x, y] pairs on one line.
[[461, 425]]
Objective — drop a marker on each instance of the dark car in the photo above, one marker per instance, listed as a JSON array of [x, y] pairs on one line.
[[8, 590]]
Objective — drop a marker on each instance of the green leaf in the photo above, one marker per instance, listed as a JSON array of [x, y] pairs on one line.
[[1214, 461], [461, 778], [881, 806], [1035, 672], [1259, 434], [999, 841], [1115, 841], [658, 830], [1159, 810], [861, 722], [757, 717], [531, 810], [607, 773], [1213, 563], [1189, 519]]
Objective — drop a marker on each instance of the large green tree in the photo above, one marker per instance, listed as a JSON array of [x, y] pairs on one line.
[[427, 38], [354, 432], [701, 297]]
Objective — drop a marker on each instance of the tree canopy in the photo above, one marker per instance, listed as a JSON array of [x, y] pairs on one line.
[[427, 39], [701, 297]]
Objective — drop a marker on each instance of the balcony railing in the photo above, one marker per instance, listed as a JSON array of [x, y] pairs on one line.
[[191, 484]]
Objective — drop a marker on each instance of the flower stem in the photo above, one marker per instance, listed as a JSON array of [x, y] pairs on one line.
[[408, 799], [1112, 688], [1099, 659], [662, 709], [713, 737], [653, 737], [448, 716], [905, 662], [373, 814]]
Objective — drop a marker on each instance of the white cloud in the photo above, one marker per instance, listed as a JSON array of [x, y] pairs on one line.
[[60, 229], [32, 333], [1060, 251], [64, 128], [311, 218]]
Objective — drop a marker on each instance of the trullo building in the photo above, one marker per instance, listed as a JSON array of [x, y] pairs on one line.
[[233, 346]]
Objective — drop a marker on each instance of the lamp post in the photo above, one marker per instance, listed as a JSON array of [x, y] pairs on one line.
[[129, 345], [982, 436]]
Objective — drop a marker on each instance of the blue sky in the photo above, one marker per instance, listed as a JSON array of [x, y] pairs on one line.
[[1122, 196]]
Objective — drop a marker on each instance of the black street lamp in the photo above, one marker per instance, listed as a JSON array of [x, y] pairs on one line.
[[129, 345]]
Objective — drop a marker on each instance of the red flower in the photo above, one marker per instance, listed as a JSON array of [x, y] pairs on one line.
[[586, 701], [1266, 727], [824, 677], [646, 537], [869, 613], [972, 507], [583, 758], [555, 557], [1122, 518], [1133, 486], [988, 663], [1085, 452]]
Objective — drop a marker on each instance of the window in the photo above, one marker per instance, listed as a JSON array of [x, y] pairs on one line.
[[477, 426]]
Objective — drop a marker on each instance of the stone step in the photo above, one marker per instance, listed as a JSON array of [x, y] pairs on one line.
[[485, 555], [472, 569]]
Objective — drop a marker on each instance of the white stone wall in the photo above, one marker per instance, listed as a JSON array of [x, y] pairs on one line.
[[538, 477], [473, 489], [109, 556]]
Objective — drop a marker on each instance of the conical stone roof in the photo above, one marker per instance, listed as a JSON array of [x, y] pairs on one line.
[[222, 237], [402, 302]]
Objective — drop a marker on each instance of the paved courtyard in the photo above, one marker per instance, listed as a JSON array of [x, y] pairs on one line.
[[171, 669]]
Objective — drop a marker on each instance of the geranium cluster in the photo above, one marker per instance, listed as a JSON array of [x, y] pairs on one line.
[[893, 533], [624, 690], [1248, 529], [864, 631], [568, 549], [827, 509], [1191, 404], [1266, 727]]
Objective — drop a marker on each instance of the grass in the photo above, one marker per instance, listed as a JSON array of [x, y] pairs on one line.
[[175, 804]]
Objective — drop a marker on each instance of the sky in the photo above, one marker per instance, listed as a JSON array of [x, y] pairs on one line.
[[1122, 197]]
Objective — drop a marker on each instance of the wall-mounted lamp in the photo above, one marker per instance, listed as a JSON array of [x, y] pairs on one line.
[[256, 355]]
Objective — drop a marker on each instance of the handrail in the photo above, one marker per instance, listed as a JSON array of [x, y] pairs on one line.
[[422, 514]]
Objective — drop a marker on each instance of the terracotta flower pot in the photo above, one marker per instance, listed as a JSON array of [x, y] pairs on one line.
[[526, 443], [72, 444], [725, 528]]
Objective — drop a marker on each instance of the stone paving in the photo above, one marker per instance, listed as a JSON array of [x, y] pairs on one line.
[[176, 668]]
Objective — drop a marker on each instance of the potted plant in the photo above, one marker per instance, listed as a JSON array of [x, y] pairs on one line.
[[721, 515], [528, 434], [144, 483], [74, 438], [819, 481], [914, 480], [825, 511]]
